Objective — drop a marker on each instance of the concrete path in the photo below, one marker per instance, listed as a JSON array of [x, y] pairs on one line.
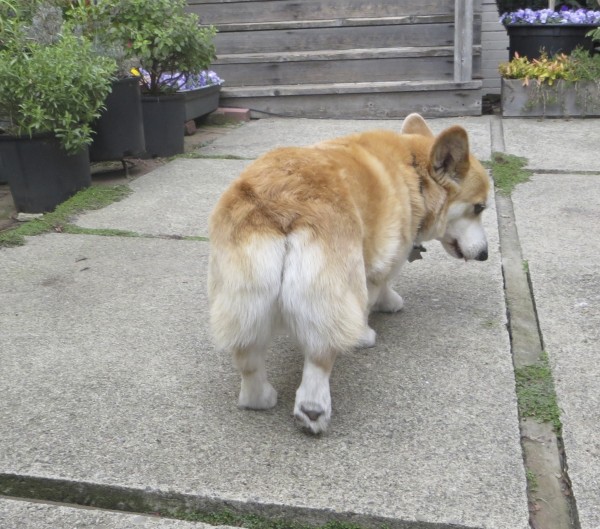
[[558, 216], [16, 514], [110, 386]]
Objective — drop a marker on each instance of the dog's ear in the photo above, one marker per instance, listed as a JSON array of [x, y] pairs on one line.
[[449, 156], [415, 124]]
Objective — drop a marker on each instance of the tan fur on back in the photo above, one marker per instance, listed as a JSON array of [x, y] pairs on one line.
[[310, 239], [373, 187]]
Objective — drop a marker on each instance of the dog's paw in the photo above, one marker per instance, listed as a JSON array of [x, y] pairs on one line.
[[367, 339], [389, 301], [312, 416], [257, 397]]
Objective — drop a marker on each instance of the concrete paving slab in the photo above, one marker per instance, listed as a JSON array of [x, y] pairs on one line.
[[556, 216], [259, 136], [554, 144], [109, 377], [18, 514], [174, 199]]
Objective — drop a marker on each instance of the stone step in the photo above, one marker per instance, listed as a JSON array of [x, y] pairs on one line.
[[227, 11], [338, 66], [361, 100]]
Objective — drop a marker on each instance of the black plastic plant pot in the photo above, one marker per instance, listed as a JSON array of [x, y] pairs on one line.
[[528, 40], [40, 173], [201, 101], [164, 119], [119, 132]]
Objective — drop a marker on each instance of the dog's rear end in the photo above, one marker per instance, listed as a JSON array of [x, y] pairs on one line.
[[311, 238], [285, 250]]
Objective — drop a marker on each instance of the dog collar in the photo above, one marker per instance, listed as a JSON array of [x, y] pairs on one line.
[[416, 252]]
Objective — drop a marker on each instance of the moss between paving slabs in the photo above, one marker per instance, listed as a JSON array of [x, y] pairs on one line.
[[535, 393], [59, 220], [251, 521], [508, 171]]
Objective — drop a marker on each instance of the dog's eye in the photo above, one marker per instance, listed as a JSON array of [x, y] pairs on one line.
[[479, 208]]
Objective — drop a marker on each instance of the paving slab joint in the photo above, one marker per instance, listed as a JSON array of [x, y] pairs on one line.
[[552, 504], [206, 509]]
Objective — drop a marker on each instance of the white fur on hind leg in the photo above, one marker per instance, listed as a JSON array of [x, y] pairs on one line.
[[256, 392], [313, 400], [388, 301], [367, 338]]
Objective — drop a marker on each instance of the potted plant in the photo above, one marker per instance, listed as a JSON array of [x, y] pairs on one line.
[[170, 46], [532, 30], [119, 131], [51, 90], [200, 92], [559, 86]]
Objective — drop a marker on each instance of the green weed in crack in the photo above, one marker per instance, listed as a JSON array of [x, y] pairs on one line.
[[59, 220], [535, 393], [508, 171]]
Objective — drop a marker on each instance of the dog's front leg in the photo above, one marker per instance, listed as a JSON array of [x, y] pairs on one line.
[[388, 300], [313, 399]]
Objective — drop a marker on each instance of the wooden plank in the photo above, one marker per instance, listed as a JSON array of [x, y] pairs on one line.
[[336, 71], [225, 11], [347, 88], [335, 23], [335, 38], [463, 41], [387, 105], [337, 55]]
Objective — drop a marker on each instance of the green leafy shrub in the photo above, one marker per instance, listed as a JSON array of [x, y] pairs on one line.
[[53, 88], [579, 66], [95, 22], [165, 39]]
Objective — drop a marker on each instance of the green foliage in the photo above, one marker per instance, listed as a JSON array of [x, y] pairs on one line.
[[532, 481], [535, 393], [578, 66], [163, 37], [95, 22], [252, 521], [51, 87], [508, 171], [94, 197]]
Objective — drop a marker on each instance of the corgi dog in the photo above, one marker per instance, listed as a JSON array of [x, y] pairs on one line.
[[309, 239]]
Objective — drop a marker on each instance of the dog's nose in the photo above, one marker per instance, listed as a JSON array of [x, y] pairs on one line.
[[482, 255]]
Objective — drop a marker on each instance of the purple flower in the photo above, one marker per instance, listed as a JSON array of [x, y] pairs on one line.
[[548, 16], [179, 82]]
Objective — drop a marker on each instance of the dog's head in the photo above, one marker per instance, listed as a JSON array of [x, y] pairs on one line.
[[466, 184]]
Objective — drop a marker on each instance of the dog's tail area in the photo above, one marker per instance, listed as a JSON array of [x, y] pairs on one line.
[[315, 287], [244, 281], [323, 292]]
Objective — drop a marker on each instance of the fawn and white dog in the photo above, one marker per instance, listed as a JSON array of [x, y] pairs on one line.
[[309, 239]]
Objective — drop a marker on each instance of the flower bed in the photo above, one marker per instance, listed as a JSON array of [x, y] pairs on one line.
[[549, 16], [532, 30], [564, 85]]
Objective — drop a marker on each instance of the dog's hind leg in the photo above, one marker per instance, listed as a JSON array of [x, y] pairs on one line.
[[244, 283], [324, 305], [256, 392]]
